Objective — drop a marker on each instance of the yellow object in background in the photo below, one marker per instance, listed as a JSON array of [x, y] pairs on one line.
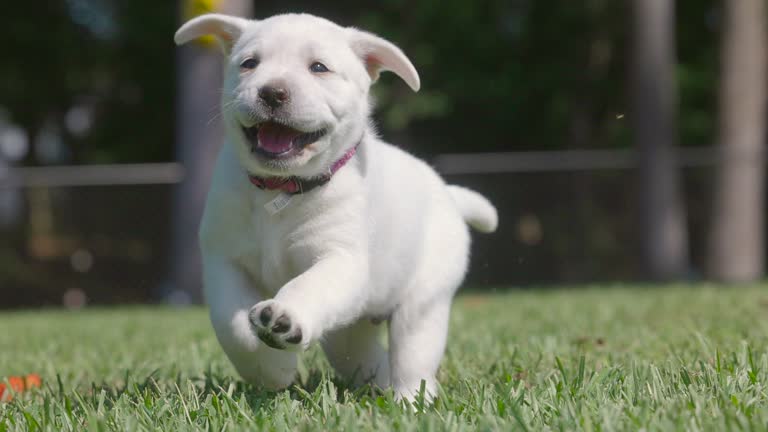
[[193, 8]]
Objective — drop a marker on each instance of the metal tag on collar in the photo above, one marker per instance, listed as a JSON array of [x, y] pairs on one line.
[[277, 204]]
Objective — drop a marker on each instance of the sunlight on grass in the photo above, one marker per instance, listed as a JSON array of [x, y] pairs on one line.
[[621, 357]]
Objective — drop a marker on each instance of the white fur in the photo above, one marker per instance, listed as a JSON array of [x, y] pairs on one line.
[[385, 239]]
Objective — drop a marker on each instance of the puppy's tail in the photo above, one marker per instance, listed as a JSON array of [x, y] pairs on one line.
[[477, 211]]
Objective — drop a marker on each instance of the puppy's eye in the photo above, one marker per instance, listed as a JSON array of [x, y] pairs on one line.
[[318, 67], [249, 63]]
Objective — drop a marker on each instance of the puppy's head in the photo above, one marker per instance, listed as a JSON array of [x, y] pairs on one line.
[[295, 94]]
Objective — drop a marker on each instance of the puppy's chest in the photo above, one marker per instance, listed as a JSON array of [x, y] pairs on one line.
[[271, 258]]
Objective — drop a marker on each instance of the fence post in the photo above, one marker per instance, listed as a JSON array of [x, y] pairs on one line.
[[199, 136]]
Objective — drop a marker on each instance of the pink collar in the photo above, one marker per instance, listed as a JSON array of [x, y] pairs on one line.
[[297, 185]]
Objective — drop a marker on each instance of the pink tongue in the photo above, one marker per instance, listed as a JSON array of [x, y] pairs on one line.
[[276, 138]]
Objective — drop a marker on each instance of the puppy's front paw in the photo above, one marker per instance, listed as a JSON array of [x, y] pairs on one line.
[[276, 326]]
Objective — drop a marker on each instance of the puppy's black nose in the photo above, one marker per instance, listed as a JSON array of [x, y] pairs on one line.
[[273, 96]]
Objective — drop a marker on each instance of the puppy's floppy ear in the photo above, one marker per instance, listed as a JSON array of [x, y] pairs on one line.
[[227, 29], [381, 55]]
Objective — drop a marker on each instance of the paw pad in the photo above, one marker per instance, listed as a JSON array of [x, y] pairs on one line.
[[274, 325]]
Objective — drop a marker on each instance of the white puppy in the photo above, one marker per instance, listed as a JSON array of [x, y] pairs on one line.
[[314, 229]]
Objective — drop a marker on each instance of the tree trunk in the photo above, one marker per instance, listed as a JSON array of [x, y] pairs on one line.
[[199, 136], [663, 228], [736, 247]]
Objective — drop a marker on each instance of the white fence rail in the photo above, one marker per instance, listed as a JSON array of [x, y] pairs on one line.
[[457, 163], [91, 175], [564, 160]]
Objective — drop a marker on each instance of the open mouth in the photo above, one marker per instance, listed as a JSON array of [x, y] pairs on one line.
[[275, 140]]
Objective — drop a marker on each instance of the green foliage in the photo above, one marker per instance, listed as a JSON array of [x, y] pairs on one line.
[[497, 74], [524, 75], [698, 74], [116, 57], [507, 75], [601, 358]]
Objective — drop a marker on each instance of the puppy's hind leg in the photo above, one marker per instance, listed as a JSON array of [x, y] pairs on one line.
[[356, 353], [417, 337]]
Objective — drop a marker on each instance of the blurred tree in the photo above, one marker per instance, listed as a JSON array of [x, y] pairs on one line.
[[737, 246], [663, 231]]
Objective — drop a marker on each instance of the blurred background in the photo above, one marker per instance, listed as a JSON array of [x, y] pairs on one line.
[[620, 139]]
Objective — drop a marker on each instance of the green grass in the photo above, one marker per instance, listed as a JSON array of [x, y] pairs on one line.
[[602, 358]]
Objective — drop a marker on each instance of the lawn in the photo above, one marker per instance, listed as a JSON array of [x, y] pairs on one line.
[[594, 358]]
